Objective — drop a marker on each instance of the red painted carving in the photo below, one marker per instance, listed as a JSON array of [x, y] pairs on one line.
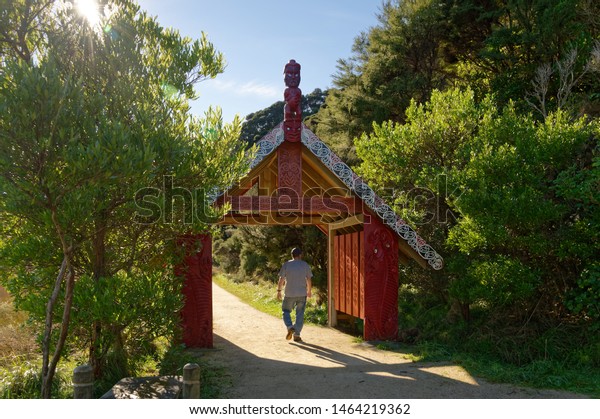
[[381, 282], [289, 161], [292, 112], [196, 268]]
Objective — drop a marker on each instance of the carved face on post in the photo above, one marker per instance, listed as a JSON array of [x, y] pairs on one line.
[[292, 131], [291, 74], [292, 118]]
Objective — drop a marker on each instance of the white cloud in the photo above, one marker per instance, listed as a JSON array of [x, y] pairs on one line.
[[251, 88]]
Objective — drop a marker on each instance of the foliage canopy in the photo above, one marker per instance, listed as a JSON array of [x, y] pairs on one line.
[[89, 117]]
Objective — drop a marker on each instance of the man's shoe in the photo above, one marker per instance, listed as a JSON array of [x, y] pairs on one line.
[[297, 339], [290, 333]]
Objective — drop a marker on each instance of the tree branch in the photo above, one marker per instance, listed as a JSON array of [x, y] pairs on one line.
[[48, 325]]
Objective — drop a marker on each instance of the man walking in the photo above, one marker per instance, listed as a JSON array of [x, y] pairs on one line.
[[296, 276]]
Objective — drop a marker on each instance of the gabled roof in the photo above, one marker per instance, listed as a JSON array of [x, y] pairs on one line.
[[270, 142]]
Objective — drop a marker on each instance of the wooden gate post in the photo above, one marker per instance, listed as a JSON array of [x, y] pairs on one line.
[[83, 382], [381, 281], [196, 268], [191, 381]]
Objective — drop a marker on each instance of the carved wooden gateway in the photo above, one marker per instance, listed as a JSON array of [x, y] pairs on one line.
[[296, 179]]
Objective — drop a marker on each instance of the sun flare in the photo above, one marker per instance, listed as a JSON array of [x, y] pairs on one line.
[[90, 10]]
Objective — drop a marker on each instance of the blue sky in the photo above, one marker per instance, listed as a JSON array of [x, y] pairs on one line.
[[258, 37]]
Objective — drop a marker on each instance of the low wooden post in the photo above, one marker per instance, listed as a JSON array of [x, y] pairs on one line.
[[83, 382], [191, 381]]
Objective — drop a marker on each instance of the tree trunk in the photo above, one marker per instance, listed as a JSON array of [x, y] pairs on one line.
[[95, 352], [48, 329], [49, 365], [99, 270], [465, 309]]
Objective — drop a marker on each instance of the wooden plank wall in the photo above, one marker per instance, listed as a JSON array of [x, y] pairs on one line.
[[349, 274], [361, 274]]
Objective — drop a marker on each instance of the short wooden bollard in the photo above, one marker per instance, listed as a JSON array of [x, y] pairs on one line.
[[191, 381], [83, 382]]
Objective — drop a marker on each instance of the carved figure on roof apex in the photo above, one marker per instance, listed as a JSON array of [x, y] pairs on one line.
[[292, 112]]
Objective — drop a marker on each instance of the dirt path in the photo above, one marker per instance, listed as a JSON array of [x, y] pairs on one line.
[[330, 365]]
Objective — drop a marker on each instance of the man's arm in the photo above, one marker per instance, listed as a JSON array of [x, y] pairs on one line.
[[280, 286], [308, 287]]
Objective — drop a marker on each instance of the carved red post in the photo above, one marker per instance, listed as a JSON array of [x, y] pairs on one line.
[[381, 281], [292, 112], [196, 268], [289, 176], [289, 153]]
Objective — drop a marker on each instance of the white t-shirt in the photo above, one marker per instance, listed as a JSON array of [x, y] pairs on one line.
[[295, 272]]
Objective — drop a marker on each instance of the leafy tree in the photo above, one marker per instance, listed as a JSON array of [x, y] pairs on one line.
[[23, 27], [411, 165], [506, 43], [578, 189], [95, 127], [525, 34], [520, 220], [515, 217]]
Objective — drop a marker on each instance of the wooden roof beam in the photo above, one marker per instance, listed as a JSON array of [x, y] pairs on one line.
[[272, 219], [348, 222], [308, 205]]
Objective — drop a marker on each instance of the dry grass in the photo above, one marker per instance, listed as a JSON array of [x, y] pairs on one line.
[[17, 340], [3, 294]]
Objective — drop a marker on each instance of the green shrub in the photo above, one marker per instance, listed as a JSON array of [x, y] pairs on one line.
[[585, 297], [316, 314], [23, 381], [252, 262]]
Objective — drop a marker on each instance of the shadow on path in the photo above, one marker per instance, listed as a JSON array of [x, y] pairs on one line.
[[328, 364]]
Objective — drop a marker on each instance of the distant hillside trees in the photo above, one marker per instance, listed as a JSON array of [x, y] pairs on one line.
[[258, 124]]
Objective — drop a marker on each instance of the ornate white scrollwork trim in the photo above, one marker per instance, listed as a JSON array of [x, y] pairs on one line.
[[267, 145]]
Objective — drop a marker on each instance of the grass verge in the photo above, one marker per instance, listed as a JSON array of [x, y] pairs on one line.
[[539, 374], [262, 296]]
